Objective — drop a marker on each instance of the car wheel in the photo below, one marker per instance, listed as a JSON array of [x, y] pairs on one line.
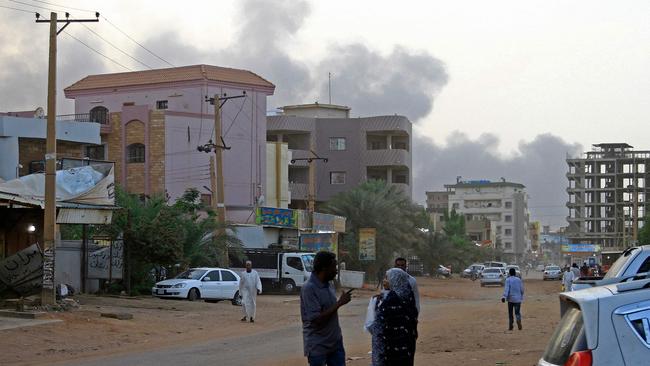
[[289, 286], [193, 295], [236, 300]]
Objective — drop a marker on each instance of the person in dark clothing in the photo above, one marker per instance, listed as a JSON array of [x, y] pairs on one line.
[[394, 331], [584, 270]]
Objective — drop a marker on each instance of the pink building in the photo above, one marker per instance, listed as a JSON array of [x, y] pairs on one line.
[[152, 122]]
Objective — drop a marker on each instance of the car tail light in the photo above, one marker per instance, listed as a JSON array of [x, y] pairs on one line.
[[582, 358]]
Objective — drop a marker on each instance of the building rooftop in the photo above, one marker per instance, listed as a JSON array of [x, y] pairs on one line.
[[610, 145], [170, 75], [483, 183], [316, 105]]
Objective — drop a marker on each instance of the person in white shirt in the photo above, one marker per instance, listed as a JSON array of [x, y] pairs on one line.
[[250, 286], [567, 279]]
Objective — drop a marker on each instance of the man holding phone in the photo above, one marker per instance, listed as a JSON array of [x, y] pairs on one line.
[[322, 338]]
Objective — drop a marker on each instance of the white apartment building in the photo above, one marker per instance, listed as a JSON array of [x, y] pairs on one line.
[[496, 211]]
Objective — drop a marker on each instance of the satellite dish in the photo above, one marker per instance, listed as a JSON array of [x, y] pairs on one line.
[[39, 112]]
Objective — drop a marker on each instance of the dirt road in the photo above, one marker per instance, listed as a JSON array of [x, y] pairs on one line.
[[460, 324]]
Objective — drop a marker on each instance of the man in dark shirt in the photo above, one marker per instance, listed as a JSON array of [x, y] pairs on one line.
[[323, 342]]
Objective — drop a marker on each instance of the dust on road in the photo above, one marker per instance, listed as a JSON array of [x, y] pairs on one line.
[[461, 323]]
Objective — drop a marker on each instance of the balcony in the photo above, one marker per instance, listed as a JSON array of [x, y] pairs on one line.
[[102, 119], [299, 191], [300, 154], [386, 157]]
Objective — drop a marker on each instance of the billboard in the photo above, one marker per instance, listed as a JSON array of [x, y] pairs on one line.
[[367, 244], [326, 222], [314, 242], [279, 217], [580, 248]]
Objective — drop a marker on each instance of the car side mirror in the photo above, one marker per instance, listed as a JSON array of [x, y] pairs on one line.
[[205, 279]]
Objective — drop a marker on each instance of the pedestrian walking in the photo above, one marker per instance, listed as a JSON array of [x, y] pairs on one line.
[[250, 286], [401, 264], [567, 278], [394, 329], [322, 338], [575, 270], [514, 294]]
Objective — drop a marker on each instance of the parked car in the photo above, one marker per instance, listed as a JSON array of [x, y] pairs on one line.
[[210, 284], [606, 325], [492, 276], [516, 267], [443, 271], [633, 261], [540, 268], [552, 273], [495, 264], [475, 269]]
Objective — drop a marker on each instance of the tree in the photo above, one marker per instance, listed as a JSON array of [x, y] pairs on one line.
[[158, 234], [375, 204]]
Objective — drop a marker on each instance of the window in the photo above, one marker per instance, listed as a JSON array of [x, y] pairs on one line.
[[508, 204], [337, 177], [377, 145], [161, 104], [455, 206], [99, 115], [295, 263], [508, 232], [213, 276], [96, 152], [508, 218], [508, 244], [228, 276], [135, 153], [399, 145], [401, 178], [337, 143]]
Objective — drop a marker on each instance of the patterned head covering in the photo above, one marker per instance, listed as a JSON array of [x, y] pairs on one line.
[[398, 280]]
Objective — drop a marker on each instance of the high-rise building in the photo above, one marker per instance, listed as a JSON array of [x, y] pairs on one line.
[[437, 207], [608, 195]]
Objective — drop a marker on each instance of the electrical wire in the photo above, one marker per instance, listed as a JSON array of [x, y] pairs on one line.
[[64, 6], [136, 42], [94, 50], [23, 10], [114, 46], [237, 115]]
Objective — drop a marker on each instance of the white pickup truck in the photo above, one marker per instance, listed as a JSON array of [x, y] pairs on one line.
[[633, 262]]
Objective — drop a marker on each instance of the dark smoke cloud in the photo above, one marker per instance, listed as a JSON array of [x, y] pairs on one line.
[[539, 164], [404, 82], [23, 76]]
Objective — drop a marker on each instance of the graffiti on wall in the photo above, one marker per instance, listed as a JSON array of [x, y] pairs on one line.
[[23, 271], [100, 257]]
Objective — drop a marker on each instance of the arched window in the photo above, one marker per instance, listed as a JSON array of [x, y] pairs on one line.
[[135, 153], [99, 115]]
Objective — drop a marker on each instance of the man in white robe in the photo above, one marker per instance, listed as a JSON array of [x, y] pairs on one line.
[[250, 286]]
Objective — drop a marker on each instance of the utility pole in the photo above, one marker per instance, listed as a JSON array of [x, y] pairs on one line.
[[217, 183], [311, 196], [48, 296]]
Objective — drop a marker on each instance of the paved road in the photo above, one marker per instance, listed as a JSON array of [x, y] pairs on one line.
[[248, 350]]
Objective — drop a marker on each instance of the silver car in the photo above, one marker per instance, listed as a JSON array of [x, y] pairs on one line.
[[492, 276], [552, 273], [606, 325]]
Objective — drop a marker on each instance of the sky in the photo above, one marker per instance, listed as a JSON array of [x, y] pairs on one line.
[[494, 88]]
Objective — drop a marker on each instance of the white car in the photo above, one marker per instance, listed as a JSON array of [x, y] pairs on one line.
[[210, 284]]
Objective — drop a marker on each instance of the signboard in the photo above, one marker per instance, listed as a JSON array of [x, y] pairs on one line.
[[553, 239], [314, 242], [339, 224], [326, 222], [580, 248], [23, 271], [280, 217], [367, 245]]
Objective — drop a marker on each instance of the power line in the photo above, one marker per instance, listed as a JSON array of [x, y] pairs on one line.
[[23, 10], [117, 48], [136, 42], [64, 6], [94, 50]]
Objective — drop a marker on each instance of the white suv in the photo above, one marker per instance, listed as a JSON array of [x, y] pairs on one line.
[[606, 325]]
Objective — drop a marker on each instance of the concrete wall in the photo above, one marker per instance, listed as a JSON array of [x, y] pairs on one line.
[[278, 158], [12, 128]]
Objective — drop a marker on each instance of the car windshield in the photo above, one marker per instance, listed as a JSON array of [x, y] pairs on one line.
[[308, 260], [492, 270], [191, 274], [617, 267], [568, 337], [552, 268]]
